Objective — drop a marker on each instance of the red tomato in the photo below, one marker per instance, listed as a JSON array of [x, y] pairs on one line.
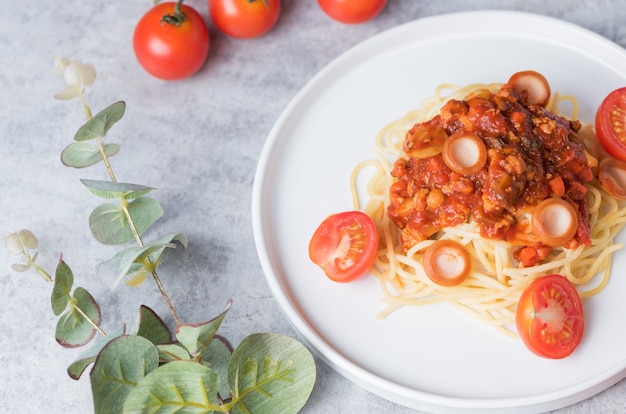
[[549, 317], [610, 121], [345, 245], [167, 49], [244, 19], [352, 11]]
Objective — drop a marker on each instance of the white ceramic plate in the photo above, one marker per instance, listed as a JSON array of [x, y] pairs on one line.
[[432, 358]]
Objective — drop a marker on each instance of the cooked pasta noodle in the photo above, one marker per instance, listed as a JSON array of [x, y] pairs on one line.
[[492, 290]]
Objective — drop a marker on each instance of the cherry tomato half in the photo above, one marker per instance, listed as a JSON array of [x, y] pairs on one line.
[[352, 11], [345, 245], [244, 19], [170, 49], [610, 122], [549, 317]]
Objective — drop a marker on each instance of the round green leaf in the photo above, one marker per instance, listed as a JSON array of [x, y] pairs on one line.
[[109, 225], [130, 260], [108, 189], [172, 352], [63, 283], [176, 387], [84, 154], [217, 356], [120, 366], [73, 330], [270, 373], [99, 124], [88, 357], [152, 327], [197, 337]]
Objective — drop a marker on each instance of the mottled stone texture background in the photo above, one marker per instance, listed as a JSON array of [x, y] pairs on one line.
[[198, 141]]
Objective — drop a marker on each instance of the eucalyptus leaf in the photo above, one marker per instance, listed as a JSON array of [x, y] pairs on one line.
[[76, 368], [130, 259], [84, 154], [108, 189], [88, 357], [217, 357], [109, 225], [197, 337], [99, 124], [172, 352], [270, 373], [62, 289], [177, 387], [152, 327], [73, 330], [19, 267], [120, 366]]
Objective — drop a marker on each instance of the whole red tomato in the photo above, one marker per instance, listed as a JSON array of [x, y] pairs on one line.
[[244, 19], [352, 11], [171, 45]]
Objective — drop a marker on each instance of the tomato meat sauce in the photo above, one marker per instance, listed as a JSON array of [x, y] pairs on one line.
[[531, 155]]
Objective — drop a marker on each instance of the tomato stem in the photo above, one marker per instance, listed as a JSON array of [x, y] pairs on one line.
[[266, 2], [177, 18]]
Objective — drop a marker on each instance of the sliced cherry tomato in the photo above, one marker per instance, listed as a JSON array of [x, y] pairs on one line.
[[352, 11], [171, 45], [244, 19], [345, 245], [611, 123], [550, 318]]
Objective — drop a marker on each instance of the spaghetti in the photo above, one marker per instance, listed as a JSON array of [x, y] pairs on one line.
[[492, 290]]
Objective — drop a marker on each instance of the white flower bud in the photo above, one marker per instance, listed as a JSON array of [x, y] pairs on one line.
[[13, 243], [60, 63], [77, 75], [73, 74], [28, 239], [18, 267], [89, 74]]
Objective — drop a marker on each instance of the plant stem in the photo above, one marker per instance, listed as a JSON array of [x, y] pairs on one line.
[[107, 163], [177, 18], [41, 271], [179, 4], [85, 106], [155, 276], [91, 321]]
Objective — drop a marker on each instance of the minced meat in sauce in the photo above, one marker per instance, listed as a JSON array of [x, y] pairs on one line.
[[532, 153]]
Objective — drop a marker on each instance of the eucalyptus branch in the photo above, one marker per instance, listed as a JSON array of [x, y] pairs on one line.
[[124, 205], [21, 243], [154, 274], [192, 367]]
